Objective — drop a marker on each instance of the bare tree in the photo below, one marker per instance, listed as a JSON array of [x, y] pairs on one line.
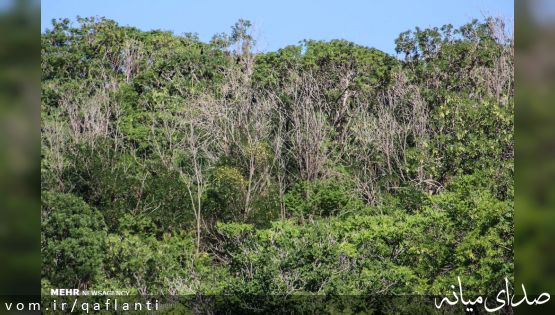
[[243, 115], [382, 135], [243, 123], [309, 127], [184, 143], [498, 79], [54, 142], [279, 161], [132, 54]]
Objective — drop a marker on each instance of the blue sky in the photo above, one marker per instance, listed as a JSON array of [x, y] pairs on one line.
[[285, 22]]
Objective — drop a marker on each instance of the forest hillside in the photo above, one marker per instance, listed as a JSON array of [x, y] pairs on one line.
[[175, 166]]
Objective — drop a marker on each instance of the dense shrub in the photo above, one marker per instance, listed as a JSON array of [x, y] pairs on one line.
[[73, 242], [323, 198]]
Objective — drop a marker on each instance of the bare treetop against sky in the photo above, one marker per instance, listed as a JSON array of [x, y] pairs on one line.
[[285, 22]]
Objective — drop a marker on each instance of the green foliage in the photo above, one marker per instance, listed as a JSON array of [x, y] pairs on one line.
[[409, 198], [463, 232], [473, 136], [73, 241], [117, 185], [371, 67], [483, 227], [226, 197], [136, 225], [445, 58], [323, 198], [145, 264]]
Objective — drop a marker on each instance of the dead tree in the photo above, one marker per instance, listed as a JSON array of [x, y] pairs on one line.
[[184, 143]]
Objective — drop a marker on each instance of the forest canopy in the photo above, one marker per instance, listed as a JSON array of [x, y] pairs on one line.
[[175, 166]]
